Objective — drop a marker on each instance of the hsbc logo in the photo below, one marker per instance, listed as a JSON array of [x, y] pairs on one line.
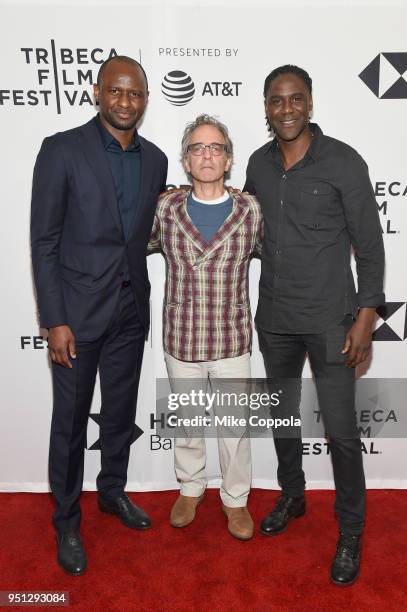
[[386, 76], [392, 322], [93, 440]]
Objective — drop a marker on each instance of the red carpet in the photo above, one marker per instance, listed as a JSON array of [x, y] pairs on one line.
[[202, 567]]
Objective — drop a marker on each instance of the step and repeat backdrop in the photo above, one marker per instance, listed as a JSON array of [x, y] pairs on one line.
[[356, 54]]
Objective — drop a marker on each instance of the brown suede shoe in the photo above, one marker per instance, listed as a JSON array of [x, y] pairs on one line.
[[184, 509], [240, 523]]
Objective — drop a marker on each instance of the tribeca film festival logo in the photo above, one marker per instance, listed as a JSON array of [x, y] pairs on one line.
[[389, 193], [178, 88], [63, 76], [324, 448], [392, 322], [386, 76]]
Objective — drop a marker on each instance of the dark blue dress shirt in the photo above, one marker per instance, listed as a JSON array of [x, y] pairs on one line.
[[125, 166]]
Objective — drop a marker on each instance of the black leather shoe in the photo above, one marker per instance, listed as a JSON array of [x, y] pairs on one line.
[[71, 554], [345, 566], [130, 515], [286, 508]]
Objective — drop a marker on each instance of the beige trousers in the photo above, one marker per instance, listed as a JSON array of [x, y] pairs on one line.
[[234, 451]]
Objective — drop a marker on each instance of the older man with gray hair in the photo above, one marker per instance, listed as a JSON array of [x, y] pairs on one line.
[[208, 236]]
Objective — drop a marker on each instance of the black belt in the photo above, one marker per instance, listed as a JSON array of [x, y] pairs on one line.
[[126, 284]]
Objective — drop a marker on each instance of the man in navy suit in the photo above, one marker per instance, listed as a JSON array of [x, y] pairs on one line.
[[95, 190]]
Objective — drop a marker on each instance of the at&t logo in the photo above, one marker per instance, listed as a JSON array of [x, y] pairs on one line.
[[178, 88]]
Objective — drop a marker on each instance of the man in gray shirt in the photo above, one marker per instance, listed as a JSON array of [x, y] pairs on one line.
[[317, 201]]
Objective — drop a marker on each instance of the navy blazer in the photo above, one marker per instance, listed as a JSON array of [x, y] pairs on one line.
[[77, 241]]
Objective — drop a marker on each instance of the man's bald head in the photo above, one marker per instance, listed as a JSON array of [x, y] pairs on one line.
[[122, 59]]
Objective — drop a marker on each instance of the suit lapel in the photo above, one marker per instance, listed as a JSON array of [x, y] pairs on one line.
[[94, 152], [146, 169], [184, 222]]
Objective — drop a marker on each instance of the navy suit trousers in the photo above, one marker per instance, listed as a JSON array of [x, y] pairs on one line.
[[118, 355]]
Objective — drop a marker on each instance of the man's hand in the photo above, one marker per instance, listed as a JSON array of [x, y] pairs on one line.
[[180, 189], [233, 190], [358, 341], [61, 345]]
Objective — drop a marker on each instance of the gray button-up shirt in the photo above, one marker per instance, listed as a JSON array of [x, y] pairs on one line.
[[313, 213]]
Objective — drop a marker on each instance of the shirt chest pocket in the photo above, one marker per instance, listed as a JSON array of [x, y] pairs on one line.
[[315, 203]]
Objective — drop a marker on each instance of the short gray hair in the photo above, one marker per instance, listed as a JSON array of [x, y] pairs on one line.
[[205, 120]]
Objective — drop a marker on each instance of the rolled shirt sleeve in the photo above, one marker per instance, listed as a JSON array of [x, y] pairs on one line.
[[363, 224]]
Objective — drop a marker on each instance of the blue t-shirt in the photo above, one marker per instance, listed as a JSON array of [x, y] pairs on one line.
[[208, 218]]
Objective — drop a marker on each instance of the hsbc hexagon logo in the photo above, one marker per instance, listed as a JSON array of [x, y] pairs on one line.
[[386, 76], [93, 441]]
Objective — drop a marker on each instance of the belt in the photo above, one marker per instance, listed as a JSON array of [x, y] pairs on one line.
[[125, 284]]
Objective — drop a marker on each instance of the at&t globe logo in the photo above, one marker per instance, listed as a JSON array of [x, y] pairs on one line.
[[178, 87]]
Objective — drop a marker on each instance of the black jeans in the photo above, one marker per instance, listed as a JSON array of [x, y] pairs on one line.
[[118, 355], [284, 357]]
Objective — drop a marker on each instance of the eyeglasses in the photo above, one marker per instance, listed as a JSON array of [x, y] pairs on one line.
[[215, 148]]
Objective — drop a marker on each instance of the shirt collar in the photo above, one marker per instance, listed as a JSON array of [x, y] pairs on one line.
[[109, 140], [312, 150]]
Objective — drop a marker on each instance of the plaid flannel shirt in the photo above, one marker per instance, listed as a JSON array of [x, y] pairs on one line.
[[206, 312]]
